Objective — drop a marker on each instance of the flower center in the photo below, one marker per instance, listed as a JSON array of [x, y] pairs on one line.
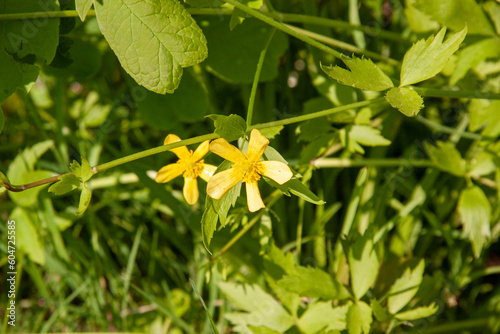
[[192, 168], [249, 170]]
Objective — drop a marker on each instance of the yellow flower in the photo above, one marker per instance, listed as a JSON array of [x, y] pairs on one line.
[[247, 168], [190, 165]]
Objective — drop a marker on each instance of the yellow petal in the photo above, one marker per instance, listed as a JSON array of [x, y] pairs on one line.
[[168, 173], [222, 148], [181, 152], [190, 190], [221, 182], [253, 197], [208, 172], [256, 145], [201, 150], [275, 170]]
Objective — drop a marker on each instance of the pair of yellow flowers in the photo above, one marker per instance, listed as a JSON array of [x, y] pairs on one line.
[[247, 168]]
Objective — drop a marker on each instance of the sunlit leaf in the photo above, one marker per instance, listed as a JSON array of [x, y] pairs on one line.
[[359, 318], [82, 7], [405, 287], [418, 313], [322, 315], [406, 100], [363, 265]]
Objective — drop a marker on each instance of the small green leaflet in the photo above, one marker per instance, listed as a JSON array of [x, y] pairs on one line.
[[363, 74], [83, 172], [446, 157], [229, 127], [66, 183], [426, 58], [271, 132], [354, 135], [83, 7], [418, 313], [153, 40], [406, 100], [475, 213], [405, 287], [85, 197], [322, 315], [359, 318]]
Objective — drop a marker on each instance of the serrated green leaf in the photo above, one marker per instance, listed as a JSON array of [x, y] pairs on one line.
[[27, 237], [313, 282], [475, 213], [474, 54], [323, 316], [359, 318], [83, 7], [363, 74], [406, 100], [65, 184], [418, 313], [363, 265], [456, 13], [261, 308], [446, 157], [354, 135], [229, 127], [426, 58], [85, 197], [15, 75], [83, 172], [28, 38], [228, 62], [153, 40], [405, 287]]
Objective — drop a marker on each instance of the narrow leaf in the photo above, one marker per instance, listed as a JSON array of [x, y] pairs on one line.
[[212, 323], [85, 197], [406, 100], [426, 58], [405, 287], [475, 213], [208, 222], [363, 74], [418, 313], [294, 186], [153, 40]]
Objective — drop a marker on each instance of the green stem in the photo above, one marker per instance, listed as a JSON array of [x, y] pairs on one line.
[[343, 45], [190, 141], [432, 92], [458, 326], [283, 27], [343, 163], [446, 129], [300, 18], [256, 78]]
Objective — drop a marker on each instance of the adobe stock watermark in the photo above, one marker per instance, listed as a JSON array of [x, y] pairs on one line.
[[11, 273]]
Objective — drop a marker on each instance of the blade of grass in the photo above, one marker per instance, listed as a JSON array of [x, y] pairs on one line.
[[214, 327], [128, 271]]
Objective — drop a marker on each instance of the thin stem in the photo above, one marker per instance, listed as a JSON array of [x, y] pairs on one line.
[[256, 78], [343, 163], [343, 45], [194, 140], [446, 129], [432, 92], [283, 27]]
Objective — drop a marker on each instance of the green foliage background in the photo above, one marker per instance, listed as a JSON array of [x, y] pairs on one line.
[[394, 217]]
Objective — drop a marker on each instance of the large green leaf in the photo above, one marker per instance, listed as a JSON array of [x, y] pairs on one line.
[[456, 13], [363, 74], [322, 315], [153, 40], [27, 236], [24, 38], [14, 75], [405, 287], [475, 213], [261, 308], [426, 58], [313, 282], [406, 100], [234, 54], [363, 265]]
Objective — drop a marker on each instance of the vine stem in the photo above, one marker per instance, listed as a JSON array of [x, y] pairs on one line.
[[190, 141], [344, 163], [256, 78]]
